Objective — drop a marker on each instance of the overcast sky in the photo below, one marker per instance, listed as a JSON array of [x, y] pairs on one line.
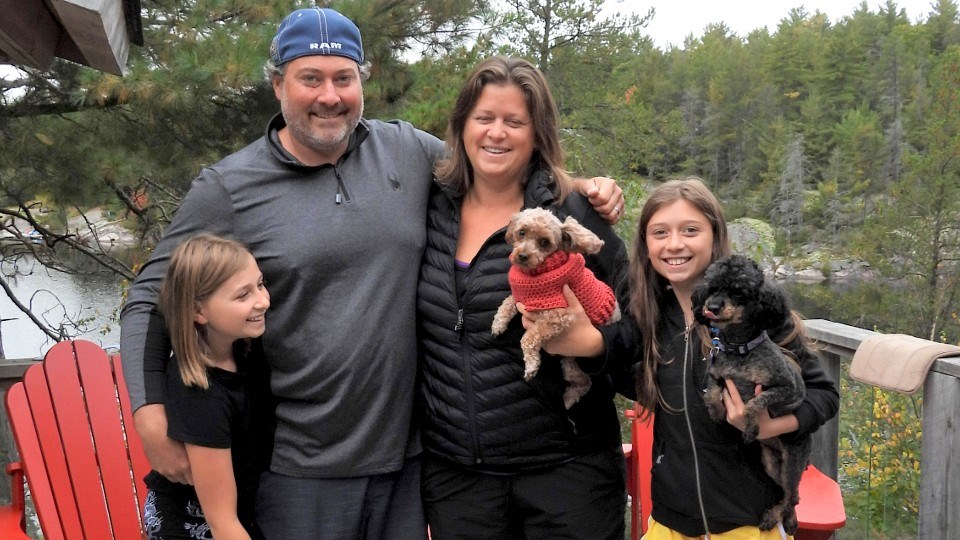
[[675, 19]]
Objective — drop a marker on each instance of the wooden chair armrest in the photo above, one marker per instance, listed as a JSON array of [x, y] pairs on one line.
[[15, 472], [12, 517], [821, 510]]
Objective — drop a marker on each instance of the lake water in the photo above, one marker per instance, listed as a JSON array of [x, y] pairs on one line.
[[54, 296]]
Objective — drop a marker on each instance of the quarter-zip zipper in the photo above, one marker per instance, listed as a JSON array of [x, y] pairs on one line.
[[342, 194]]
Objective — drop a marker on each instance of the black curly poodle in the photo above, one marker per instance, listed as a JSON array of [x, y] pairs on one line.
[[740, 306]]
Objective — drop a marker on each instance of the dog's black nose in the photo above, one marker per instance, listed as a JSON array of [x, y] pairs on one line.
[[522, 257]]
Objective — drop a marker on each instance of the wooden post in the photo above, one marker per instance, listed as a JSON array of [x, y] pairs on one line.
[[836, 343], [2, 354], [940, 452], [11, 371]]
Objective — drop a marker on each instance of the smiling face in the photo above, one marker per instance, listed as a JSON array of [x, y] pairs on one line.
[[321, 98], [498, 135], [679, 239], [236, 309]]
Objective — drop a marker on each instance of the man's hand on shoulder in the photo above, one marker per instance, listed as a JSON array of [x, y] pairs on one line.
[[605, 196]]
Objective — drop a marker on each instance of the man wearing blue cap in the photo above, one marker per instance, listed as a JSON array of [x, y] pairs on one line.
[[333, 207]]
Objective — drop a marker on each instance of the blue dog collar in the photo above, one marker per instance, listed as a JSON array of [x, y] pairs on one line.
[[739, 349]]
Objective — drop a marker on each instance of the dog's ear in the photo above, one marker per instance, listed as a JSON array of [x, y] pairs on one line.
[[773, 307], [576, 238], [754, 278], [511, 236], [759, 272], [700, 294]]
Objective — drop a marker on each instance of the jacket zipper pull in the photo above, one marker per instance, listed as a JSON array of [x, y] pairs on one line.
[[340, 189], [459, 325]]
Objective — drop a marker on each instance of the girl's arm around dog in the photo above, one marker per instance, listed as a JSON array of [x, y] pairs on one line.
[[822, 401], [769, 426]]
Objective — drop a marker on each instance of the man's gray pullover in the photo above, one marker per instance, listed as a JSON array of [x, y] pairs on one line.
[[340, 249]]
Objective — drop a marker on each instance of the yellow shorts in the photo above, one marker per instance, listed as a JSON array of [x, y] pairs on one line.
[[656, 531]]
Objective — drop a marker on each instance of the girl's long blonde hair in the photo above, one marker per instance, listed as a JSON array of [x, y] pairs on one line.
[[197, 268]]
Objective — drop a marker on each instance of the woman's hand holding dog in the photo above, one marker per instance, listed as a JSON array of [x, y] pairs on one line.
[[769, 427], [581, 339]]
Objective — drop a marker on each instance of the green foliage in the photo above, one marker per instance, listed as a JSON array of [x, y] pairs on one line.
[[914, 234], [543, 30], [635, 192], [435, 83], [879, 462]]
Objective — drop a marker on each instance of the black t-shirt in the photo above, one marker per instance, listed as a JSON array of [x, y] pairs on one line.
[[220, 416]]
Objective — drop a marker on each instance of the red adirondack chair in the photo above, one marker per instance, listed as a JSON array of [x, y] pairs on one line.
[[83, 461], [820, 511]]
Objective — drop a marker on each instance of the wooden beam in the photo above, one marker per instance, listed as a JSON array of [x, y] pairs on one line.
[[29, 34], [844, 338], [12, 370], [98, 29], [940, 452]]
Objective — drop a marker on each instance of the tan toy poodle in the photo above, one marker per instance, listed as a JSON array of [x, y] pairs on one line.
[[547, 255]]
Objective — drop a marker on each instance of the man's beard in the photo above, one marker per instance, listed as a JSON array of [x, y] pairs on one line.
[[322, 141]]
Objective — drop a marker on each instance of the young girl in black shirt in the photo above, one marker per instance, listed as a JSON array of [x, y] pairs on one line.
[[213, 301]]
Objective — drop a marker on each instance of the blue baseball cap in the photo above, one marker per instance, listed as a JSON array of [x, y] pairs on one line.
[[316, 31]]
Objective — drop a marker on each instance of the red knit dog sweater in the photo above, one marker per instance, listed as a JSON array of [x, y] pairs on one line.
[[542, 287]]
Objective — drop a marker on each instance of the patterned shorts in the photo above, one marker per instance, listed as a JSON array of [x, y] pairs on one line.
[[167, 517]]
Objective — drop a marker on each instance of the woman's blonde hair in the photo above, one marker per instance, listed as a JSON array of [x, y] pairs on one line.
[[197, 268], [647, 286], [456, 171]]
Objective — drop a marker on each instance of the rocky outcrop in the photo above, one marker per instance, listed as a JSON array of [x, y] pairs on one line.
[[755, 239]]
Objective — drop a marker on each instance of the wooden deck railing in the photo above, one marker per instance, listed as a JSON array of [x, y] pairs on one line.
[[940, 451], [940, 444]]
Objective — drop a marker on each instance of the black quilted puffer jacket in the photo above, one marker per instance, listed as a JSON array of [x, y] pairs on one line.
[[476, 409]]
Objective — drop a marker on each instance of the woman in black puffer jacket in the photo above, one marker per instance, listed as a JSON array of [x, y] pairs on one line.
[[503, 457]]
